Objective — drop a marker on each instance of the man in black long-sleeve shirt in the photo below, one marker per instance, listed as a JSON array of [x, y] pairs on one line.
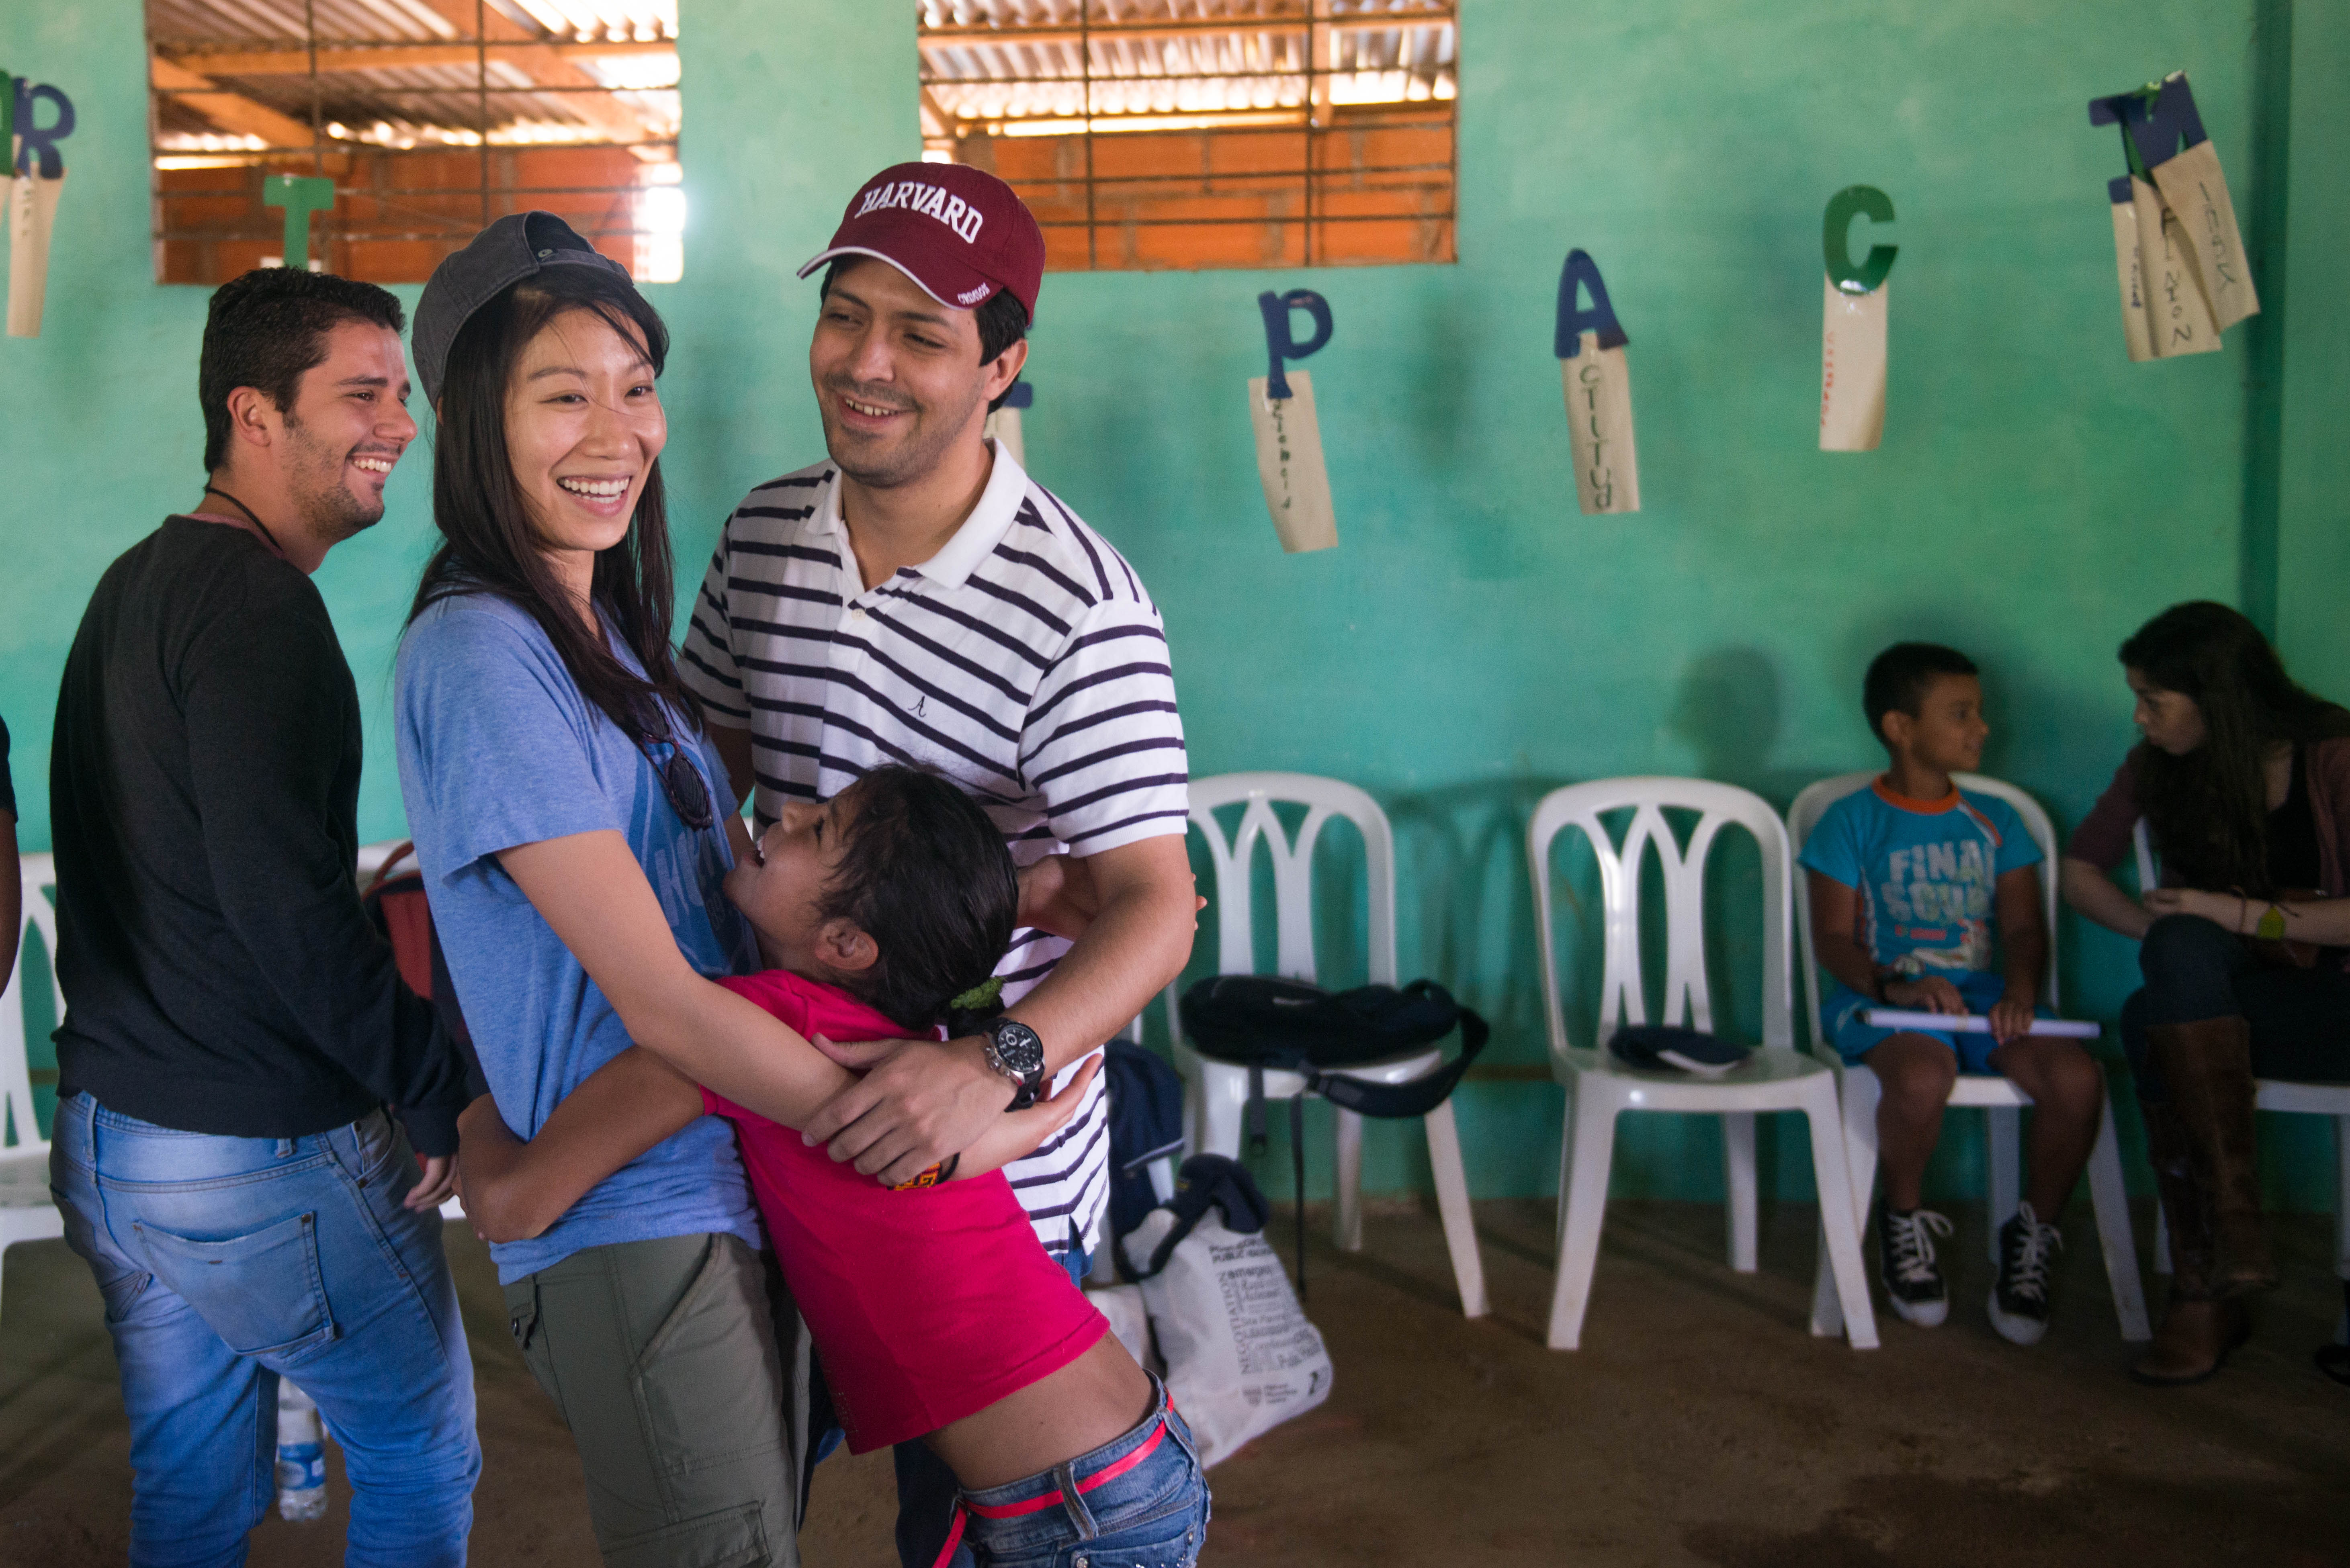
[[234, 1028]]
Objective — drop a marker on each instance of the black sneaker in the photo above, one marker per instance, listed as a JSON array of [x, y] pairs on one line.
[[2019, 1303], [1905, 1262]]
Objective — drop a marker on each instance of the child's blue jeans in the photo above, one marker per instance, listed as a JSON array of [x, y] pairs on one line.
[[1139, 1501], [224, 1261]]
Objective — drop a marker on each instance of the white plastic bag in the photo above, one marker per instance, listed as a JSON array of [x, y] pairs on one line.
[[1130, 1320], [1240, 1357]]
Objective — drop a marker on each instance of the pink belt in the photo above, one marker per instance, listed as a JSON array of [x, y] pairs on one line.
[[964, 1507]]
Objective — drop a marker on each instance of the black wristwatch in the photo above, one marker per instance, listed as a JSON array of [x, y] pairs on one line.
[[1014, 1049]]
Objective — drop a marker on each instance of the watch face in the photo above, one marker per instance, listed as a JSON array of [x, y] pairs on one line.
[[1019, 1049]]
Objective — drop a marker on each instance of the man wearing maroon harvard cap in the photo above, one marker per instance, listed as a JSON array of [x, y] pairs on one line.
[[919, 598]]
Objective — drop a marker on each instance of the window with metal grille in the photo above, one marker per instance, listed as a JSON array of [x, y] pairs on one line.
[[1204, 133], [432, 117]]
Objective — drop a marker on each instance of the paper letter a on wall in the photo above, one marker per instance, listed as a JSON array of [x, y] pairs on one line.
[[1590, 348]]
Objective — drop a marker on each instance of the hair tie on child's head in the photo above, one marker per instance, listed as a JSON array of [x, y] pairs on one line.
[[980, 997]]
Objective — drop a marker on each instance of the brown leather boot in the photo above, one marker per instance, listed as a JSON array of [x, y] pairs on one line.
[[2197, 1329], [2208, 1066]]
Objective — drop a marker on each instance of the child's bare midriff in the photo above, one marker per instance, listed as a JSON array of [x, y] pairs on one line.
[[1093, 1400]]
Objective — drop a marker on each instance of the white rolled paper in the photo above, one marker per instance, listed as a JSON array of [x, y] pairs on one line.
[[1852, 367], [1599, 427], [1289, 462], [2178, 318], [2136, 331], [32, 217], [1974, 1023], [2196, 194]]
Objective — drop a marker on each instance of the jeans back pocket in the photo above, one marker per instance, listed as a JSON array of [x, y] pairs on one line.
[[260, 1292]]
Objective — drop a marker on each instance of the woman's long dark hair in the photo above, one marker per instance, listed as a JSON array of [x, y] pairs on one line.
[[489, 543], [2208, 810]]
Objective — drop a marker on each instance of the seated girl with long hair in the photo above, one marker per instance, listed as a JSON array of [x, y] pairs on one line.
[[2243, 782], [935, 1311]]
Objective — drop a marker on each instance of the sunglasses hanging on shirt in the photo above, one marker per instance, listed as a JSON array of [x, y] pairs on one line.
[[681, 779]]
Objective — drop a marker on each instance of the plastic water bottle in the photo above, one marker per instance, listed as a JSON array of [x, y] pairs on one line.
[[301, 1456]]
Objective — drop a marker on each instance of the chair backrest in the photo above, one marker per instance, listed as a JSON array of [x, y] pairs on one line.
[[1687, 1000], [1292, 867], [1812, 803], [37, 874]]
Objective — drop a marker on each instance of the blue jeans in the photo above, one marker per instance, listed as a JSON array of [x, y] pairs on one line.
[[1153, 1514], [927, 1489], [225, 1261]]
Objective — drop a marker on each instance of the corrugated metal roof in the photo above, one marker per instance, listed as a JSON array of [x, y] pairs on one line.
[[990, 62], [404, 73]]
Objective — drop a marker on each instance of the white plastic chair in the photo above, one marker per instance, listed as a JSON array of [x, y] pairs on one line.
[[1998, 1099], [1216, 1093], [28, 1211], [375, 857], [2285, 1096], [1599, 1088]]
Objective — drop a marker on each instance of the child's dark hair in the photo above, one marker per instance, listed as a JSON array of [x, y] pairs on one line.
[[926, 874], [1898, 676]]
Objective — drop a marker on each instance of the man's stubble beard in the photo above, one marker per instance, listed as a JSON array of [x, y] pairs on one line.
[[329, 511], [912, 461]]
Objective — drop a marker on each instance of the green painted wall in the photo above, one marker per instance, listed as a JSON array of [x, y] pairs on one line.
[[1475, 641]]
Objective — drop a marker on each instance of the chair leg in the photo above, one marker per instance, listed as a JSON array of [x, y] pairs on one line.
[[2003, 1157], [1857, 1110], [1195, 1134], [1582, 1206], [1347, 1133], [2161, 1241], [1738, 1162], [1220, 1119], [1452, 1203], [1832, 1170], [2111, 1199]]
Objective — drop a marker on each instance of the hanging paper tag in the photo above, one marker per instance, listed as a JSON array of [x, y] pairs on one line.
[[1289, 461], [2196, 194], [1599, 427], [2178, 318], [2135, 332], [1852, 368], [32, 218]]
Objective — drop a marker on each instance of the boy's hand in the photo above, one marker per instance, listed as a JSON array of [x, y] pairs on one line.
[[1927, 993], [492, 1155], [2011, 1018], [926, 1100]]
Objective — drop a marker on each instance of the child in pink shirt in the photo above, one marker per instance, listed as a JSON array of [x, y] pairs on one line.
[[935, 1311]]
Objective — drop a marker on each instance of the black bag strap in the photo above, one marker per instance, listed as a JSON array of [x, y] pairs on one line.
[[1415, 1098], [1207, 1181]]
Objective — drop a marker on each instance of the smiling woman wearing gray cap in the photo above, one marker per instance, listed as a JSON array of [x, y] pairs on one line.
[[566, 808]]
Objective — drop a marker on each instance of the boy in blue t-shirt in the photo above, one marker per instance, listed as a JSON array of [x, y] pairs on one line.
[[1908, 879]]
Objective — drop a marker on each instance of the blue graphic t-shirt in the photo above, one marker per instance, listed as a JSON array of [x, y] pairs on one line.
[[498, 748], [1925, 871]]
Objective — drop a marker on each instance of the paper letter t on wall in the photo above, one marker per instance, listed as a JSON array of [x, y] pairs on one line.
[[300, 198]]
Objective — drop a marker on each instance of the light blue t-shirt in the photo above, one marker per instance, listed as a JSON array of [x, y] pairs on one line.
[[1925, 872], [498, 748]]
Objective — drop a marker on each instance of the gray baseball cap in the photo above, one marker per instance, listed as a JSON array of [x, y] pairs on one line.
[[514, 247]]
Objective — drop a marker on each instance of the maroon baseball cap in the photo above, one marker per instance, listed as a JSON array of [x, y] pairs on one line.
[[959, 233]]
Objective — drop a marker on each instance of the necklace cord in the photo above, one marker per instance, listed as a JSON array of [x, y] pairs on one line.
[[241, 506]]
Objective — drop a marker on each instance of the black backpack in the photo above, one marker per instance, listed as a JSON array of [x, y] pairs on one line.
[[1262, 1022]]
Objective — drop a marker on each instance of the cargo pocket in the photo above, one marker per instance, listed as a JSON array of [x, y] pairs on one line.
[[731, 1537], [260, 1292], [709, 1382]]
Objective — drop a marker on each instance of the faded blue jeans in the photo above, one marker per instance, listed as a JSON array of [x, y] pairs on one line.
[[225, 1261], [1139, 1501]]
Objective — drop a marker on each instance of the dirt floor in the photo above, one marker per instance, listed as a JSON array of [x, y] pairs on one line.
[[1700, 1425]]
